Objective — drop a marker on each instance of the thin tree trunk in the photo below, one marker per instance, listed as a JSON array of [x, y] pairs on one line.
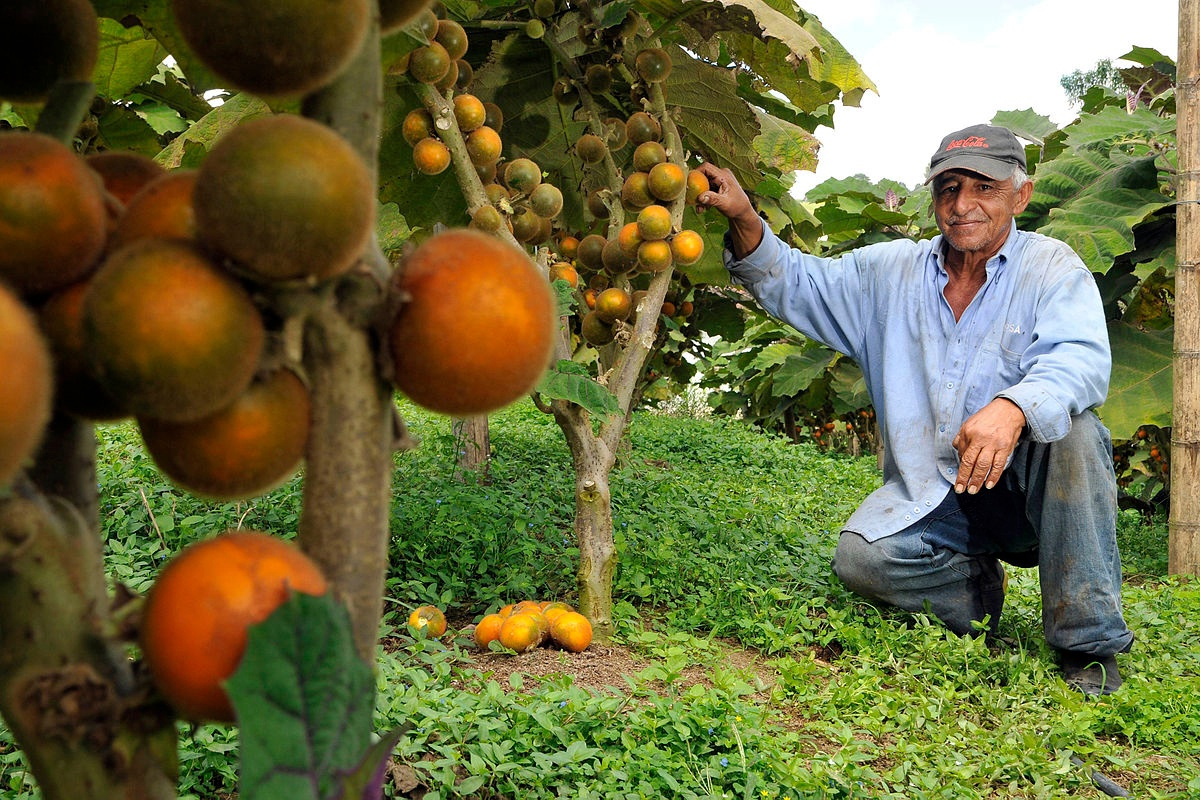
[[1184, 541], [472, 447]]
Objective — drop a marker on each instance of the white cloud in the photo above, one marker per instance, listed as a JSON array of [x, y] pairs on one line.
[[941, 66]]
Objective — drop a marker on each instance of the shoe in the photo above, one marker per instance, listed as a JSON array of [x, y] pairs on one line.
[[1090, 674]]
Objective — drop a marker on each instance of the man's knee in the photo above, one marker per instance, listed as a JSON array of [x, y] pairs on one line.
[[858, 564]]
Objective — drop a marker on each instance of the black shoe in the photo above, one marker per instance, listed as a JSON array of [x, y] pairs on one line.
[[1090, 674]]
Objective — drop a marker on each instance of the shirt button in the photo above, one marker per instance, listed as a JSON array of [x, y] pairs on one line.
[[942, 429], [949, 385], [907, 517], [928, 502]]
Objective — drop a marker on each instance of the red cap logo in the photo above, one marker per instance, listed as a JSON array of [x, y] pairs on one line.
[[970, 141]]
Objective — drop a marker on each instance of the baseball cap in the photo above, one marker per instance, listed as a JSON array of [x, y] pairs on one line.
[[987, 149]]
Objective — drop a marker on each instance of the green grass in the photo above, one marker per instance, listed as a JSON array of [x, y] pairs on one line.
[[725, 537]]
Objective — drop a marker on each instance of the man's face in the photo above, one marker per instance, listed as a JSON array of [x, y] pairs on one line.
[[974, 212]]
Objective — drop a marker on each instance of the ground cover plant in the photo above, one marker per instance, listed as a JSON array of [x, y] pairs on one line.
[[740, 668]]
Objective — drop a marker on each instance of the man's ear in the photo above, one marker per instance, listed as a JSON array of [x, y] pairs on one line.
[[1022, 198]]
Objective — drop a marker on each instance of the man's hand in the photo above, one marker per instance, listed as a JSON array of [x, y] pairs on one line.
[[727, 196], [985, 442]]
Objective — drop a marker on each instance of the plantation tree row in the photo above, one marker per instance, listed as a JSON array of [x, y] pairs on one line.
[[269, 288]]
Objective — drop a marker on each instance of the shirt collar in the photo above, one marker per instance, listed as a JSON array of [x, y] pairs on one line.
[[1000, 259]]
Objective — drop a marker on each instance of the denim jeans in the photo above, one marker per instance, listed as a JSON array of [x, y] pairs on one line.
[[1055, 506]]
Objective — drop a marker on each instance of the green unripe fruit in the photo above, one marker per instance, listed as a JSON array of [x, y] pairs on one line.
[[653, 65], [535, 29], [522, 175], [546, 200], [429, 64], [598, 78], [590, 148]]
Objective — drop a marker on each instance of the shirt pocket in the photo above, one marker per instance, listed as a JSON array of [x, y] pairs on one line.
[[996, 368]]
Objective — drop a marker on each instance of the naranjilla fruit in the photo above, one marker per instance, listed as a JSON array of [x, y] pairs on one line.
[[429, 619], [193, 631], [25, 392]]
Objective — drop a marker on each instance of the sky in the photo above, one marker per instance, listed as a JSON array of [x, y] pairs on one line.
[[941, 65]]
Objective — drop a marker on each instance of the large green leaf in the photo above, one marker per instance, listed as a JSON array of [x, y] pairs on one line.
[[1099, 227], [1027, 123], [799, 370], [127, 58], [156, 17], [211, 127], [1115, 127], [714, 121], [1140, 390], [568, 380]]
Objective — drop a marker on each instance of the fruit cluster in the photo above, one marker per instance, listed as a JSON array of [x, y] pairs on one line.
[[529, 624]]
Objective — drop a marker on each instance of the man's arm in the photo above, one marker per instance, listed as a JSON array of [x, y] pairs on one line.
[[727, 196]]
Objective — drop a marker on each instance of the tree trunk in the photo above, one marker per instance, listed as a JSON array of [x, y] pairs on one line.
[[472, 448], [1184, 542], [67, 691]]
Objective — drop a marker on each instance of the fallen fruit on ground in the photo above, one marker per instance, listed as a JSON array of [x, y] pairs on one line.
[[241, 451], [430, 619], [193, 631], [488, 630], [475, 327], [571, 631], [27, 388], [521, 632]]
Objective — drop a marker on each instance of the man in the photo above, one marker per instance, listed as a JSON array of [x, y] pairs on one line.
[[985, 352]]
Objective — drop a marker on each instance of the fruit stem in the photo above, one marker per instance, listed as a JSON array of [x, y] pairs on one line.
[[65, 109]]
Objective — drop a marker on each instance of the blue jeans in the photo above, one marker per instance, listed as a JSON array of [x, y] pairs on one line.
[[1055, 506]]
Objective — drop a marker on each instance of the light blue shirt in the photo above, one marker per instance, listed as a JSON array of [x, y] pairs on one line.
[[1034, 334]]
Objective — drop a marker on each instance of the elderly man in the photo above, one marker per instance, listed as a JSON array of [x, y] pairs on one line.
[[985, 352]]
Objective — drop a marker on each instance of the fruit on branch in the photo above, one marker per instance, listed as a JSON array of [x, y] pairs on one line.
[[654, 255], [562, 271], [648, 155], [526, 226], [243, 450], [466, 74], [429, 64], [596, 205], [46, 42], [546, 200], [483, 146], [641, 127], [76, 389], [564, 92], [168, 333], [654, 222], [653, 64], [613, 304], [28, 386], [469, 112], [53, 220], [194, 627], [487, 219], [476, 324], [395, 14], [494, 118], [453, 37], [417, 125], [568, 246], [598, 78], [594, 330], [666, 181], [614, 259], [629, 238], [522, 175], [591, 251], [697, 184], [124, 173], [162, 210], [687, 247], [286, 198], [635, 192], [274, 47], [430, 156], [591, 148]]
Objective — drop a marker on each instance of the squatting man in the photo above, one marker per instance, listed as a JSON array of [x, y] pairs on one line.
[[985, 353]]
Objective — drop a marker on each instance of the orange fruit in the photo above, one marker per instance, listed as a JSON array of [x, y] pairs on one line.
[[27, 389], [430, 156], [635, 192], [476, 331], [124, 173], [469, 112], [521, 632], [526, 606], [589, 298], [554, 610], [563, 271], [429, 619], [568, 247], [241, 451], [697, 184], [654, 256], [76, 389], [666, 181], [507, 610], [654, 222], [163, 209], [613, 304], [193, 631], [53, 220], [571, 631], [169, 334], [287, 198], [687, 247], [274, 47], [417, 125], [46, 42], [487, 630], [483, 146], [629, 238], [648, 155]]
